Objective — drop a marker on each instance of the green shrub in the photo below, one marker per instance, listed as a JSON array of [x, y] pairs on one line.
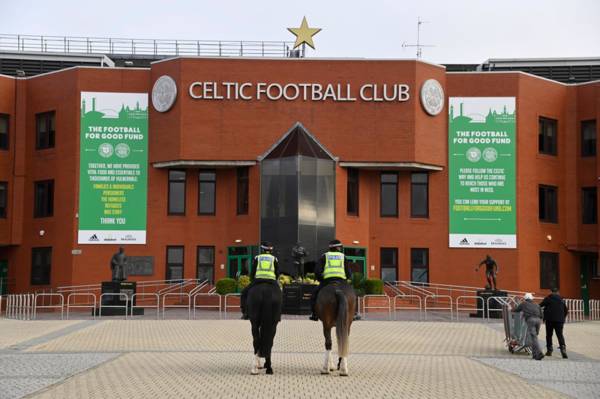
[[226, 286], [373, 286], [243, 282], [359, 291], [358, 281]]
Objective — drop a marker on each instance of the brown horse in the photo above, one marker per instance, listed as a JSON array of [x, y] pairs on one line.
[[335, 308]]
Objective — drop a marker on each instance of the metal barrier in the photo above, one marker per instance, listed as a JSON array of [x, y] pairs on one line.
[[388, 307], [404, 297], [148, 294], [113, 306], [207, 295], [43, 295], [435, 297], [576, 310], [81, 294], [178, 295], [502, 300], [476, 309], [226, 306], [594, 309]]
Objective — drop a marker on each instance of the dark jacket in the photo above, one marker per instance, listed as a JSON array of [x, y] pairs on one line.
[[555, 308], [321, 266], [529, 309], [255, 266]]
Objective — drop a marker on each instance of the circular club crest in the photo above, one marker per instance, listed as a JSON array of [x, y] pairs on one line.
[[432, 97], [164, 93]]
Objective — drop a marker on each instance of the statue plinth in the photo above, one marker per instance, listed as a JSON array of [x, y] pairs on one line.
[[495, 306], [125, 288]]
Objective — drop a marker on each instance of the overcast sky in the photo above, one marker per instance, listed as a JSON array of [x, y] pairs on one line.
[[462, 31]]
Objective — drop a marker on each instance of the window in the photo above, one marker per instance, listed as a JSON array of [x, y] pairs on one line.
[[44, 199], [419, 263], [176, 192], [242, 191], [589, 265], [389, 264], [590, 205], [3, 132], [548, 270], [547, 136], [3, 198], [206, 192], [419, 195], [389, 195], [352, 193], [41, 263], [548, 204], [174, 263], [206, 264], [44, 137], [588, 138]]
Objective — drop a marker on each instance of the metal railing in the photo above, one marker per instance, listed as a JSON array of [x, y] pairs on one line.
[[366, 306], [83, 306], [436, 304], [594, 309], [155, 48], [179, 295], [502, 300], [227, 306], [50, 296], [210, 294], [121, 296], [142, 295], [411, 298], [470, 307], [576, 310]]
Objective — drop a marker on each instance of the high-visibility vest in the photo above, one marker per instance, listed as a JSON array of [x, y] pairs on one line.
[[334, 266], [265, 267]]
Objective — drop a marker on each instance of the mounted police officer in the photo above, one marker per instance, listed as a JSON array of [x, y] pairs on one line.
[[332, 267], [265, 269]]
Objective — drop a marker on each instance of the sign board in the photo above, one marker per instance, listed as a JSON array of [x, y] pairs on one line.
[[113, 168], [481, 172]]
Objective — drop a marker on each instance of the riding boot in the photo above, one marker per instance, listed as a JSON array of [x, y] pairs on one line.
[[563, 352]]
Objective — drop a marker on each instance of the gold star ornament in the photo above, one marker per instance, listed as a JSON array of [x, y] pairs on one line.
[[304, 34]]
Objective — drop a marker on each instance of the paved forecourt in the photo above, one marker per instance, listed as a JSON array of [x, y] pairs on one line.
[[181, 358]]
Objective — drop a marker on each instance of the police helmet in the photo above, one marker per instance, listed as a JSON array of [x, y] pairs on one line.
[[266, 246], [335, 244]]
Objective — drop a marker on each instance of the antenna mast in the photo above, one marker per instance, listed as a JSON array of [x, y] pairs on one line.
[[419, 46]]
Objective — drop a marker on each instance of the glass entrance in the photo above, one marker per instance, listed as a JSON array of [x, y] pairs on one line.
[[3, 277], [239, 260], [357, 258]]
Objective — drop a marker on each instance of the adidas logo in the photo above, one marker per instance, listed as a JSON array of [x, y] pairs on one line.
[[464, 241], [94, 237]]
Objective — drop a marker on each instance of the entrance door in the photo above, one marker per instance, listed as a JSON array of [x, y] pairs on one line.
[[239, 260], [587, 262], [357, 258], [3, 277]]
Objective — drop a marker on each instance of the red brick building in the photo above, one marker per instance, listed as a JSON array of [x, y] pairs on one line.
[[216, 147]]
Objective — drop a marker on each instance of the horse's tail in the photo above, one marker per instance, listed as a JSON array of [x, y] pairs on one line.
[[342, 326]]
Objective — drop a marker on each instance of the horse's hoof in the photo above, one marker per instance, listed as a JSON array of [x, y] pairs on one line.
[[269, 371], [343, 374], [254, 371], [324, 372], [331, 369]]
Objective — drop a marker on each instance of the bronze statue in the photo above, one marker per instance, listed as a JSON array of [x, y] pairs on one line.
[[491, 269], [117, 265], [299, 253]]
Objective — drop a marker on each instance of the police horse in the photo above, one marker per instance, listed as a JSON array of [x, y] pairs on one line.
[[335, 308], [264, 311]]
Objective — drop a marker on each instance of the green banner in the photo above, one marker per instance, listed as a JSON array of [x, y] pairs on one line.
[[481, 172], [113, 168]]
